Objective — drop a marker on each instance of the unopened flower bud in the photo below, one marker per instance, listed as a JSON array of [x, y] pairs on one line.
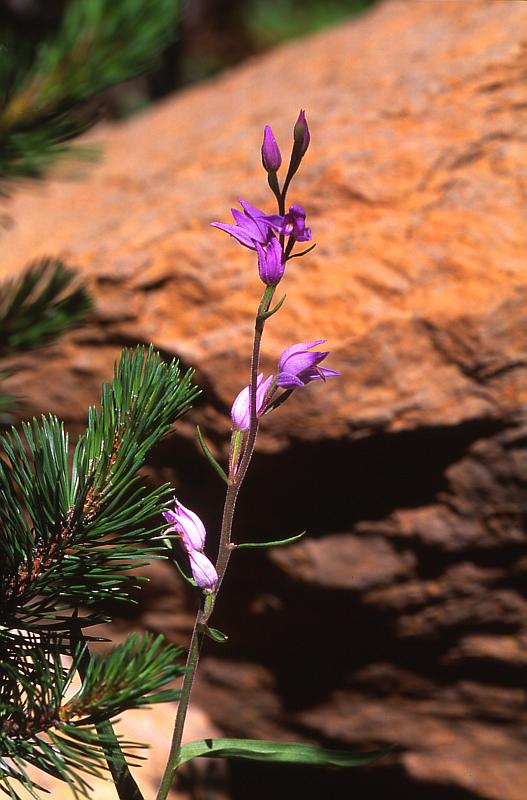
[[271, 263], [187, 525], [301, 135], [241, 408], [271, 156], [203, 570]]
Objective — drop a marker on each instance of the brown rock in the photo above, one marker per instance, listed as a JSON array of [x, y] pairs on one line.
[[411, 470], [343, 562]]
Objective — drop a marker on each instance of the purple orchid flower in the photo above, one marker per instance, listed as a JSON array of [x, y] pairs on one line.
[[241, 408], [292, 224], [203, 570], [187, 525], [251, 226], [297, 366], [271, 156], [271, 263], [254, 226]]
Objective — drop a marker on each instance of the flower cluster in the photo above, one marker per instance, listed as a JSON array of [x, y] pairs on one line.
[[297, 367], [266, 233], [191, 532]]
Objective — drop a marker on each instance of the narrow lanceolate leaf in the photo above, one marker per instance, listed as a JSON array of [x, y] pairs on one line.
[[285, 752], [214, 634], [277, 307], [208, 455], [277, 543]]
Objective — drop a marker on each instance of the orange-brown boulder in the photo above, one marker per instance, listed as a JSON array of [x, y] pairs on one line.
[[403, 619]]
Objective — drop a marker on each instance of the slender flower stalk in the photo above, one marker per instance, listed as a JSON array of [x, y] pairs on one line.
[[298, 365]]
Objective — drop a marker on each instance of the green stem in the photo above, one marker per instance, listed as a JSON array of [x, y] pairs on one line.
[[125, 785], [224, 553], [235, 480], [196, 642]]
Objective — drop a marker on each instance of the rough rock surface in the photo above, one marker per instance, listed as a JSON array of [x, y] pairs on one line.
[[403, 619]]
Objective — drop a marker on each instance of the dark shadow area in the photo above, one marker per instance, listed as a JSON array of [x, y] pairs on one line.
[[283, 782], [328, 486]]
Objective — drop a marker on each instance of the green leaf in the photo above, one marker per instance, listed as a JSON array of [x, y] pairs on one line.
[[210, 457], [285, 752], [277, 402], [183, 574], [278, 543], [214, 634], [302, 253], [267, 314]]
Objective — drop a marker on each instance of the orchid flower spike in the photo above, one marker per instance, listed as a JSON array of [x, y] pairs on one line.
[[241, 408], [297, 366]]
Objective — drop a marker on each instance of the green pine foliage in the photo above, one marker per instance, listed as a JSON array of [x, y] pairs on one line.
[[43, 91], [37, 307], [44, 724], [73, 523]]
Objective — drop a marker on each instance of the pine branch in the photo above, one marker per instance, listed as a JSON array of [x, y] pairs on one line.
[[99, 44], [70, 537], [36, 308], [40, 727], [39, 305]]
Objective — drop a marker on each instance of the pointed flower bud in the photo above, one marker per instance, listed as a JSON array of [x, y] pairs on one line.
[[241, 408], [203, 570], [297, 366], [271, 156], [187, 525], [301, 135], [271, 263]]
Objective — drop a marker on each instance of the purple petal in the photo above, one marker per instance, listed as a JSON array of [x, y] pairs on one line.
[[247, 224], [328, 373], [237, 233], [275, 221], [241, 408], [287, 381], [305, 236], [271, 264], [188, 525], [203, 570], [298, 362], [294, 349], [252, 211]]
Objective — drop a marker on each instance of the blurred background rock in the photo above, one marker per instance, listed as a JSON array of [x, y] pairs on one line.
[[402, 619]]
